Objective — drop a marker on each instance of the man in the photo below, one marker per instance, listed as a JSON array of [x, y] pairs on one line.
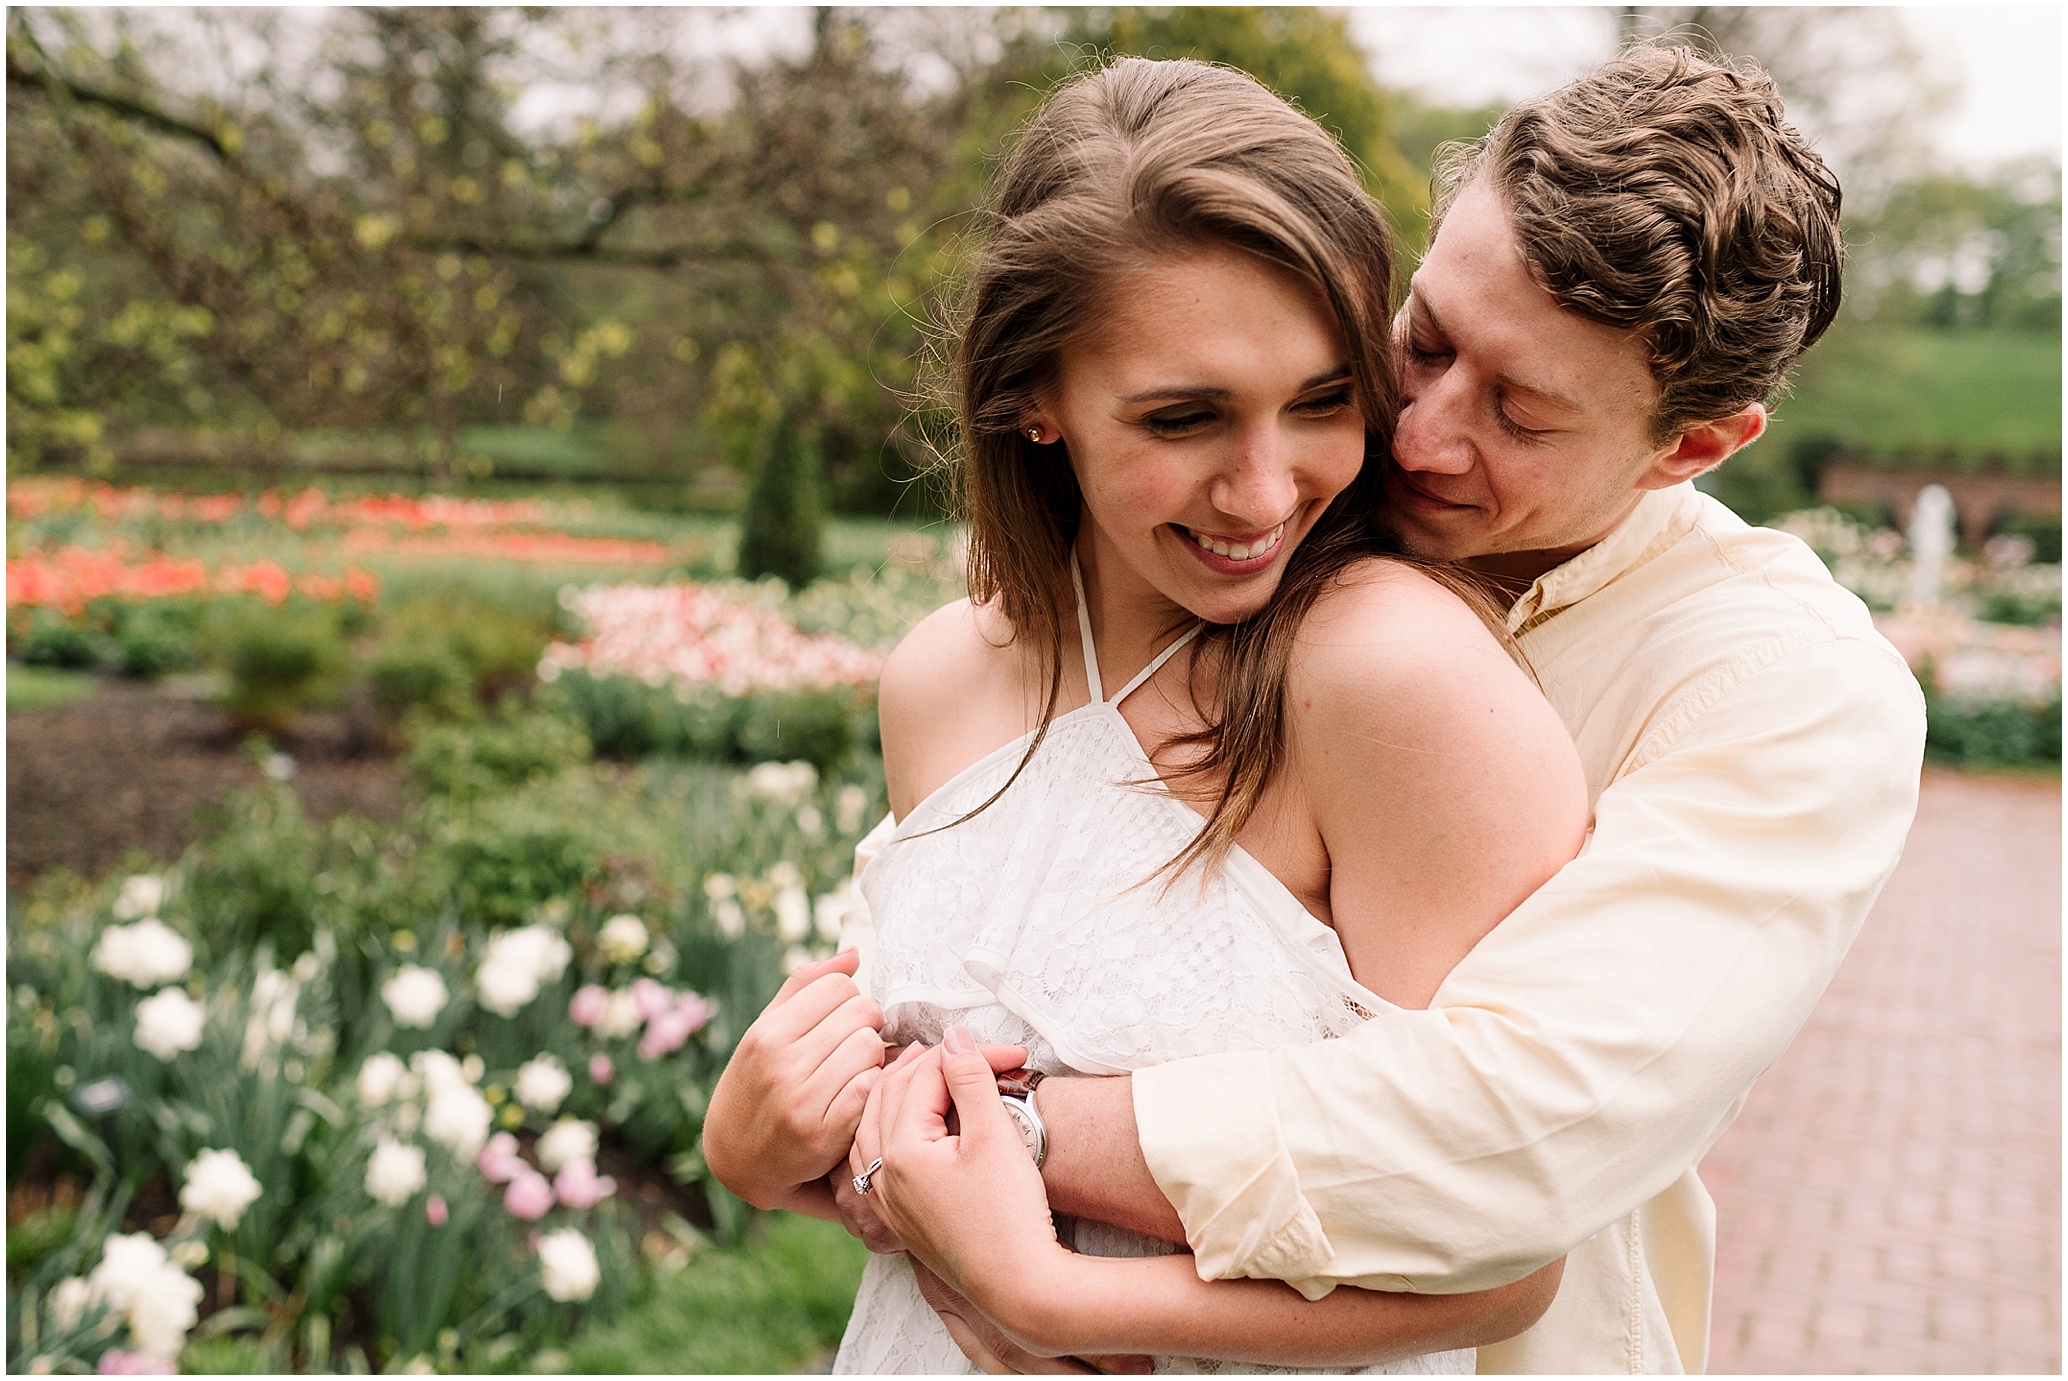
[[1621, 275]]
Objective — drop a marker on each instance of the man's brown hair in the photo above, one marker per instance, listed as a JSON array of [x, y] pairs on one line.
[[1665, 193]]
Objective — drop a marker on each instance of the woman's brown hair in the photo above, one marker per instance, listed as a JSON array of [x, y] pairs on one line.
[[1137, 160]]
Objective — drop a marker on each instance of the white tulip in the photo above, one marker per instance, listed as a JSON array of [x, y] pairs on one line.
[[622, 939], [130, 1262], [273, 997], [143, 955], [380, 1078], [69, 1301], [620, 1016], [793, 914], [219, 1185], [142, 895], [567, 1140], [828, 912], [542, 1084], [732, 921], [516, 963], [415, 995], [848, 804], [567, 1265], [438, 1071], [168, 1023], [161, 1316], [457, 1117], [394, 1172], [720, 886]]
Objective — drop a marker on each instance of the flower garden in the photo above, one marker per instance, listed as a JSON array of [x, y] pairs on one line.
[[423, 1091]]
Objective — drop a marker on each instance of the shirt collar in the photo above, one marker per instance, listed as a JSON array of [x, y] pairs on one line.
[[1661, 518]]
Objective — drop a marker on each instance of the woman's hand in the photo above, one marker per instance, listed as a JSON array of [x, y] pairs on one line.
[[785, 1110], [970, 1205]]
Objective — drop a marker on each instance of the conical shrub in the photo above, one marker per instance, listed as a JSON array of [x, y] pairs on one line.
[[785, 519]]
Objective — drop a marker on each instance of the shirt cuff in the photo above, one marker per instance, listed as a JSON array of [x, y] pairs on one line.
[[1209, 1131]]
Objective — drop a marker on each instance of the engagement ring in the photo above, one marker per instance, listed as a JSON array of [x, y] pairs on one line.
[[861, 1181]]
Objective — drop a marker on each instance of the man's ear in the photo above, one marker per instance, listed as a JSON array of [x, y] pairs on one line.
[[1702, 448]]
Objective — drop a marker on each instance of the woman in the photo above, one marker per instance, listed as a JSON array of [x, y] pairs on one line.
[[1195, 768]]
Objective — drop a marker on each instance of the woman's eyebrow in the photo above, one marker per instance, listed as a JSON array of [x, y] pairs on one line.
[[1214, 393]]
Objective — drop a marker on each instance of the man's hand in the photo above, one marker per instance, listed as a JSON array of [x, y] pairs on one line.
[[994, 1354], [784, 1111]]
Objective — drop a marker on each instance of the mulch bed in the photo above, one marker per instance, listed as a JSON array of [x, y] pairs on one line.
[[144, 767]]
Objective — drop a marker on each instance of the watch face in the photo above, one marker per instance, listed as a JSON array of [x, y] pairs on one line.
[[1028, 1137]]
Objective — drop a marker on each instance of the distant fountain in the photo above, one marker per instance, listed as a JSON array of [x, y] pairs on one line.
[[1931, 542]]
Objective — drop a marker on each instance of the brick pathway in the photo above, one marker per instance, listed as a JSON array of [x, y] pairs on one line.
[[1889, 1201]]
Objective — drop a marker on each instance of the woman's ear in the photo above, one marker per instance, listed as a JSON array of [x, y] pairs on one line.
[[1038, 425], [1703, 447]]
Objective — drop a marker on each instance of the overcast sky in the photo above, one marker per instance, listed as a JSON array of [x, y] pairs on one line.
[[2005, 62]]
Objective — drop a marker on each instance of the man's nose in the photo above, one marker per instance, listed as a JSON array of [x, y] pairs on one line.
[[1431, 435], [1257, 488]]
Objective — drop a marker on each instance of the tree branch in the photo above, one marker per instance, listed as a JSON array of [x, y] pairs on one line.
[[46, 81]]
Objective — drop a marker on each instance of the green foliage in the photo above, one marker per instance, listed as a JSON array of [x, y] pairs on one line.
[[280, 659], [2044, 530], [628, 719], [1993, 733], [158, 636], [766, 1308], [1305, 54], [1910, 396], [783, 528], [51, 640], [444, 648], [513, 748], [255, 880], [41, 688]]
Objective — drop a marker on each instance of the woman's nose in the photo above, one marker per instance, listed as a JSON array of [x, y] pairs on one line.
[[1258, 487]]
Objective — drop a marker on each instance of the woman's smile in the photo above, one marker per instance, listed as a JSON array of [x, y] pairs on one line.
[[1234, 553]]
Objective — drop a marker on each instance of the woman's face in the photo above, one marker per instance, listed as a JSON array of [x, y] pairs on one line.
[[1210, 420]]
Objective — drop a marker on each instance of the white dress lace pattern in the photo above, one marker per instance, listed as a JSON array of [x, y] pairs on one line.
[[1036, 922]]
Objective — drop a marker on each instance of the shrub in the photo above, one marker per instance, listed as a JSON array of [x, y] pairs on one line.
[[628, 719], [512, 749], [154, 638], [444, 648], [280, 658], [784, 525], [1993, 733], [51, 640], [254, 881]]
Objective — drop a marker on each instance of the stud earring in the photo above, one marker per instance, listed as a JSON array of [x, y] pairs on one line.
[[1034, 435]]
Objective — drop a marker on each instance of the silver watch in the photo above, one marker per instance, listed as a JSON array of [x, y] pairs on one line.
[[1016, 1091]]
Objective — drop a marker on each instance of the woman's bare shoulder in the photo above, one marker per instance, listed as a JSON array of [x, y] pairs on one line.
[[1391, 624], [957, 648], [951, 691]]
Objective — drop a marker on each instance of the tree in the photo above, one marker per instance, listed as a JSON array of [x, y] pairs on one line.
[[784, 524]]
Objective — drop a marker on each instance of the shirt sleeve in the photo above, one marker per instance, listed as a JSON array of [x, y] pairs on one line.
[[1593, 1046]]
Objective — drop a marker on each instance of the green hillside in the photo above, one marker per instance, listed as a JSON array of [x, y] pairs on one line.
[[1929, 398]]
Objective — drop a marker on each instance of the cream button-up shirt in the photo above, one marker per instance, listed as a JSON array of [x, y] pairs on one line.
[[1752, 748]]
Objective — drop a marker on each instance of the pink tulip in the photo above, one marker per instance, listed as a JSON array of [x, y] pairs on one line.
[[529, 1196], [435, 1211], [579, 1186], [499, 1161], [664, 1034], [650, 998], [116, 1362], [601, 1069], [587, 1007], [695, 1011]]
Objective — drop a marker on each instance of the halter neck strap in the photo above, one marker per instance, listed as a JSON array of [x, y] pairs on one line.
[[1091, 656]]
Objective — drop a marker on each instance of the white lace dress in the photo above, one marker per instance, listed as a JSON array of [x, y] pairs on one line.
[[1031, 924]]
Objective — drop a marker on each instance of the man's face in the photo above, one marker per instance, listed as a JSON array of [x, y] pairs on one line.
[[1525, 436]]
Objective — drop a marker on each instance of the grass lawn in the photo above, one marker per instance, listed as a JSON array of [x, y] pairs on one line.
[[770, 1308], [1890, 392], [40, 688]]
